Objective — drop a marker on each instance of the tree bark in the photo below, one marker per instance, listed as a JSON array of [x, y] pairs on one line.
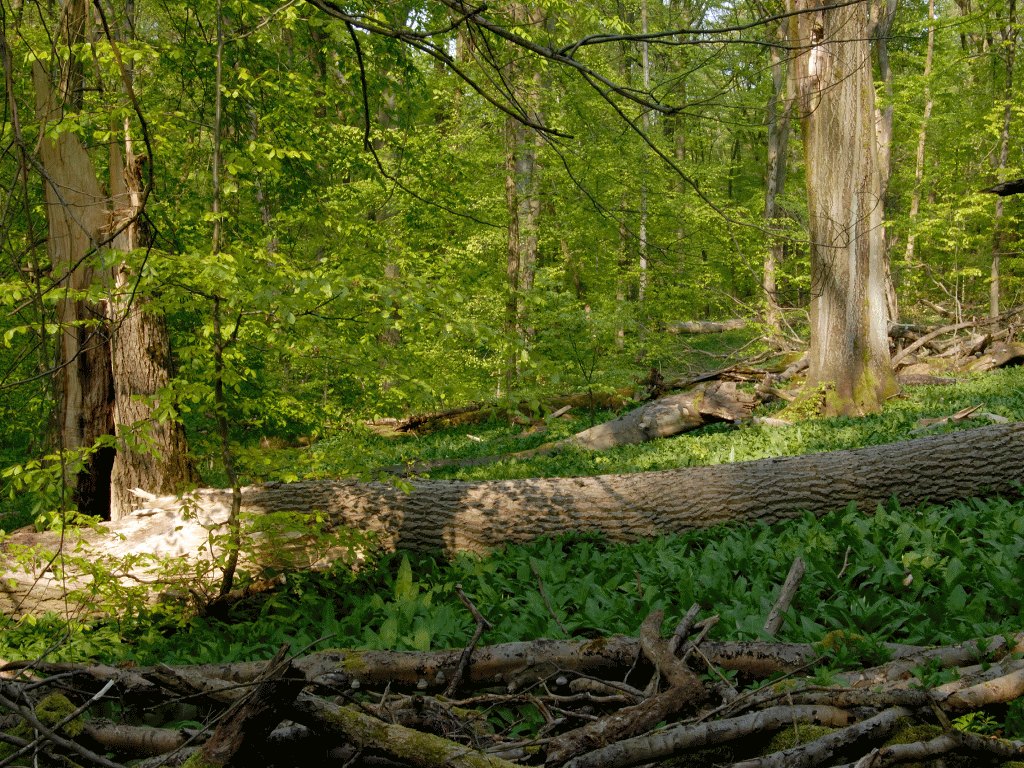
[[780, 108], [522, 197], [922, 134], [849, 352], [113, 354], [76, 211], [480, 516], [155, 458], [1009, 35], [668, 416], [883, 14], [454, 515], [706, 326]]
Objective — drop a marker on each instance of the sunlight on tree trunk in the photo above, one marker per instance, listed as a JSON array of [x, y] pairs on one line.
[[648, 124], [114, 354], [915, 199], [76, 211], [849, 349], [151, 454], [220, 340], [883, 14]]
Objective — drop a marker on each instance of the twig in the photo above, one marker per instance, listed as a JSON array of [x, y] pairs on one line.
[[820, 751], [547, 600], [665, 743], [846, 562], [50, 735], [900, 356], [789, 588], [684, 628], [705, 627], [481, 625]]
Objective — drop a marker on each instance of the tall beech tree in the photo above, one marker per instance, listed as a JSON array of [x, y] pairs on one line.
[[522, 185], [849, 348]]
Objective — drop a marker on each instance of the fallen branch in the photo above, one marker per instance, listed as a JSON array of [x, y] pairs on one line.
[[706, 326], [786, 595], [667, 416], [387, 711]]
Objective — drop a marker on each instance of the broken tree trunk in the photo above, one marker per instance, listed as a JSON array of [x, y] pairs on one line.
[[478, 516], [668, 416], [999, 356], [475, 413]]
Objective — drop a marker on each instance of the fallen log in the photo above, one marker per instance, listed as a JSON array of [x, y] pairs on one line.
[[476, 413], [479, 516], [706, 326], [668, 416], [517, 666], [649, 388], [999, 355]]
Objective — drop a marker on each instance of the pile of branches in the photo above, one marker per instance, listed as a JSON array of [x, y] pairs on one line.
[[973, 344], [588, 703]]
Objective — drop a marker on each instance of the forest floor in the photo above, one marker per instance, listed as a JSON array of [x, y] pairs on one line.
[[874, 587]]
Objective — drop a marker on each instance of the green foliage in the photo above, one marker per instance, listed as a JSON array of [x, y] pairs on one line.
[[1000, 392], [978, 722], [355, 285], [964, 587]]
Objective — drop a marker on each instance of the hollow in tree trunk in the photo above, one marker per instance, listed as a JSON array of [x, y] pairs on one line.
[[113, 354]]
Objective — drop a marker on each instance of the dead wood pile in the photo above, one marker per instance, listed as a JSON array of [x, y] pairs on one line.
[[971, 345], [598, 703]]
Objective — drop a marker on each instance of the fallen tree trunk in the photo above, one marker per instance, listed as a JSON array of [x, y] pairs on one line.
[[665, 417], [999, 356], [479, 516], [706, 326], [476, 413], [668, 416]]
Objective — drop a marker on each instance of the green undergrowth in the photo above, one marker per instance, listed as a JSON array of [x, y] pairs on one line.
[[1000, 393], [929, 575]]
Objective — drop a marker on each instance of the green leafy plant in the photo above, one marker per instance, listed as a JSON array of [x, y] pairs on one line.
[[978, 722]]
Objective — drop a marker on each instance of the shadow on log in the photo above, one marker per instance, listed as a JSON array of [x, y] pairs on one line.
[[479, 516]]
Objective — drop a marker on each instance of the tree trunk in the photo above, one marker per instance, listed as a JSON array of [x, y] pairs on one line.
[[884, 13], [706, 326], [780, 107], [849, 353], [479, 516], [151, 453], [1009, 35], [113, 354], [76, 210], [668, 416], [915, 199], [648, 124], [454, 515], [522, 198]]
